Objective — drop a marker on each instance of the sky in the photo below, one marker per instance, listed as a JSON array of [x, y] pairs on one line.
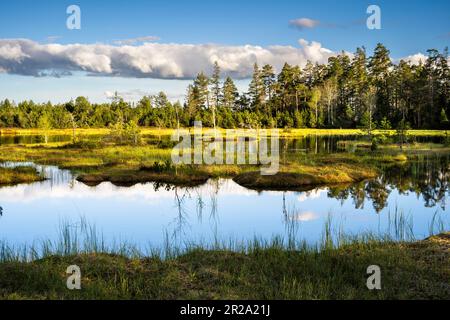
[[142, 47]]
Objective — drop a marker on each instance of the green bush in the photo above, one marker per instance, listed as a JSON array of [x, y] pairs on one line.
[[166, 144], [159, 167], [85, 144], [374, 145], [126, 133]]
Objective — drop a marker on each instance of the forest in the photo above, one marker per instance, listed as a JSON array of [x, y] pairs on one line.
[[350, 91]]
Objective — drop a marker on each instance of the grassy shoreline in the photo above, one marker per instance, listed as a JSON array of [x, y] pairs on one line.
[[96, 161], [168, 132], [410, 270], [12, 176], [127, 165]]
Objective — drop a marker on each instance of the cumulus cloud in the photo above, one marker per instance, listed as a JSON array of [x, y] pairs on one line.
[[12, 52], [304, 23], [416, 58], [150, 60]]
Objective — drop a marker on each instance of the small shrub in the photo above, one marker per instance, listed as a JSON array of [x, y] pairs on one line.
[[159, 167], [374, 145], [446, 140], [85, 144], [125, 133], [166, 144], [377, 141]]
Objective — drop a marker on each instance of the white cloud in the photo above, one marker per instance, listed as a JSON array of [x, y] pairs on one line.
[[303, 23], [314, 194], [150, 60], [314, 50], [12, 52], [109, 94], [74, 190], [306, 216], [416, 58]]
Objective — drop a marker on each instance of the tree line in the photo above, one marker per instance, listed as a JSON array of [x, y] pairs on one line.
[[357, 91]]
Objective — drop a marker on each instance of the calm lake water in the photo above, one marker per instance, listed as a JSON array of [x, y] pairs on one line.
[[412, 195], [309, 144]]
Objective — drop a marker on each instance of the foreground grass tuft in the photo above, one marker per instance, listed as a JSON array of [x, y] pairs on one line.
[[410, 270]]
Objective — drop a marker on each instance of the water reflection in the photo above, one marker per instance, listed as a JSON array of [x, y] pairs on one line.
[[180, 221], [322, 144], [426, 178], [412, 194], [32, 139]]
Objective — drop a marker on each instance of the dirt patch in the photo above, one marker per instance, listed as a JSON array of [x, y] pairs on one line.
[[279, 181], [134, 177]]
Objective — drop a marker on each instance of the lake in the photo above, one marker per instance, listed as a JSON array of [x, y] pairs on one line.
[[406, 200]]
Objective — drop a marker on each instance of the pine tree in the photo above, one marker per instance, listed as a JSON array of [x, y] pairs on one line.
[[230, 94], [201, 84], [308, 74], [286, 86], [215, 85], [379, 67], [215, 90], [359, 83], [256, 89], [192, 104], [268, 79]]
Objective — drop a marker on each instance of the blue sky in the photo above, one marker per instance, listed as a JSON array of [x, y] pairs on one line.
[[408, 27]]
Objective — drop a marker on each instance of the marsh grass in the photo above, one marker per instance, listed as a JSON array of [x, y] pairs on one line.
[[21, 174], [280, 268], [81, 237], [401, 226], [123, 164], [437, 224], [149, 131], [97, 160]]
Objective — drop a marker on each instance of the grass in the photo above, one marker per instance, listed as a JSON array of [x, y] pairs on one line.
[[96, 160], [167, 132], [393, 147], [22, 174], [276, 269], [132, 164], [300, 176], [126, 165], [261, 269]]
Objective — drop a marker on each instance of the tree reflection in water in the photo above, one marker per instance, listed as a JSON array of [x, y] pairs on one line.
[[427, 177]]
